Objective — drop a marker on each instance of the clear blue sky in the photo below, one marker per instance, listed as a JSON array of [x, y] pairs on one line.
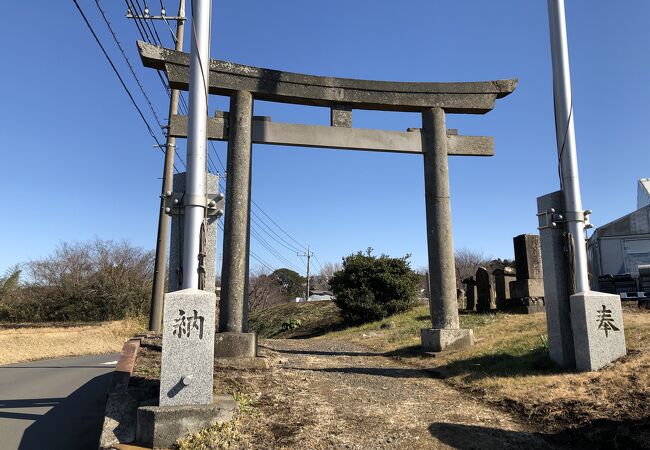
[[78, 162]]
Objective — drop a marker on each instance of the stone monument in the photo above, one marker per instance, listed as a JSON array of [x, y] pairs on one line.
[[502, 279], [484, 293], [470, 293], [187, 362], [461, 299], [527, 291]]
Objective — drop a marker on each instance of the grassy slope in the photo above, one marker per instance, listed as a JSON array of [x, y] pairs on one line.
[[28, 342], [508, 366], [315, 318]]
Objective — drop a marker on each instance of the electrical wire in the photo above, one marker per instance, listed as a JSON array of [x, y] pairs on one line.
[[128, 63], [319, 264], [211, 165], [126, 89]]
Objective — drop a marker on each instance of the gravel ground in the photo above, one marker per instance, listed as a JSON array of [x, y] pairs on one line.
[[333, 394]]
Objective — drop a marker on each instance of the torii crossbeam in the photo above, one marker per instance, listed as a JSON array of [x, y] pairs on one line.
[[243, 84]]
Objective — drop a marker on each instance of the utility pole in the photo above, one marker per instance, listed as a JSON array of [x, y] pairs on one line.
[[158, 290], [194, 202], [566, 145], [309, 254]]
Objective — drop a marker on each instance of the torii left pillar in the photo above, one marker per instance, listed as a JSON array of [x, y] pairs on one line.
[[445, 333], [233, 339]]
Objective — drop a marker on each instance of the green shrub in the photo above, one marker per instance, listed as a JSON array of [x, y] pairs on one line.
[[371, 288], [291, 324]]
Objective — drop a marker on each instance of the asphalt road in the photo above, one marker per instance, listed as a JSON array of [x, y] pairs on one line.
[[54, 404]]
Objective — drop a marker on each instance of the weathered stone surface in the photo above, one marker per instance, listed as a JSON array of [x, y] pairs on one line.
[[470, 293], [528, 257], [527, 288], [233, 309], [299, 135], [341, 116], [160, 426], [440, 340], [187, 348], [287, 87], [598, 334], [176, 246], [556, 295], [119, 420], [461, 299], [502, 279], [442, 274], [483, 290], [235, 345], [526, 305]]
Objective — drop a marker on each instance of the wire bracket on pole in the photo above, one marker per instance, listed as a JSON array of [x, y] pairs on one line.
[[552, 218], [175, 203]]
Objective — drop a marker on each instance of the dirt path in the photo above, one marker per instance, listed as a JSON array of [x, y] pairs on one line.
[[333, 394]]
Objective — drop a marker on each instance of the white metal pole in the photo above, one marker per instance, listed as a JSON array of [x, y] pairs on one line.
[[195, 182], [566, 146]]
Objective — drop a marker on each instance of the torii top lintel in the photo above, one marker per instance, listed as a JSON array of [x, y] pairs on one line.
[[287, 87]]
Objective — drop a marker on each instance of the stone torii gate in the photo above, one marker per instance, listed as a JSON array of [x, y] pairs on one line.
[[240, 128]]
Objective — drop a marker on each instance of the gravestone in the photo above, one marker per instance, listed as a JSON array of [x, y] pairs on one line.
[[528, 257], [470, 293], [527, 291], [502, 279], [187, 364], [460, 297], [483, 290]]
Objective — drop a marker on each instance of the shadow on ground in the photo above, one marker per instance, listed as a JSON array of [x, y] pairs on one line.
[[316, 331], [467, 437], [601, 434], [73, 422], [411, 351], [376, 371], [502, 364]]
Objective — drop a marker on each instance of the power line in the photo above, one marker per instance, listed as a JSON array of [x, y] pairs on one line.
[[128, 63], [279, 227], [319, 264], [211, 164], [273, 251], [277, 238], [252, 254], [126, 89]]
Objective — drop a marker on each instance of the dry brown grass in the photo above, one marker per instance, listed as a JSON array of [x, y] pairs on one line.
[[25, 342], [509, 367]]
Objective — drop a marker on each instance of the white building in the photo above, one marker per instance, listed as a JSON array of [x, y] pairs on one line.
[[619, 247]]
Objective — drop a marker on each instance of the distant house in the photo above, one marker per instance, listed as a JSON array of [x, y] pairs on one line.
[[617, 249], [316, 296], [320, 296]]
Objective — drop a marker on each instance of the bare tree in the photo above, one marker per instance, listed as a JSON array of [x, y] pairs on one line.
[[322, 280], [92, 280], [467, 261], [263, 290]]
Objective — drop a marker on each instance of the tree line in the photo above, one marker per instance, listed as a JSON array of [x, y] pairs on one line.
[[101, 280]]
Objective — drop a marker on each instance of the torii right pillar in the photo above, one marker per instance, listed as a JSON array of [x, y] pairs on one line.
[[445, 332]]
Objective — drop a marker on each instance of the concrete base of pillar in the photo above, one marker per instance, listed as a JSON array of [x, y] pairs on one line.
[[445, 339], [235, 345], [162, 426]]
